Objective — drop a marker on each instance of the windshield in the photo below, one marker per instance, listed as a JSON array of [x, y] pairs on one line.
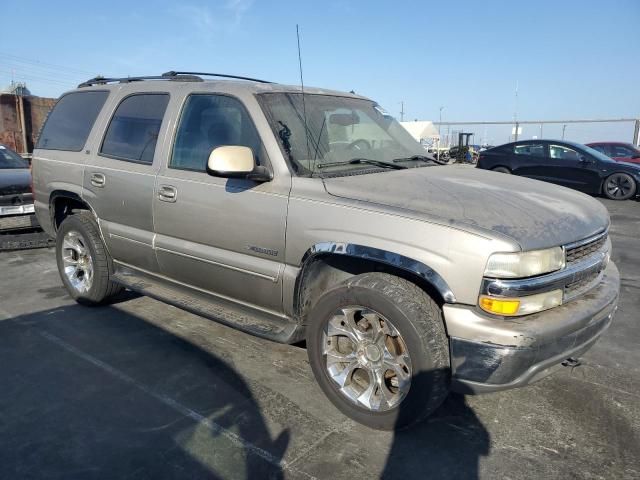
[[595, 153], [339, 130], [10, 159]]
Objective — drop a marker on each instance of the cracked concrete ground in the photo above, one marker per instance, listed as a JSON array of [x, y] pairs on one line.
[[140, 389]]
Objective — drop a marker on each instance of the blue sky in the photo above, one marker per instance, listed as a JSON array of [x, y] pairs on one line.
[[570, 59]]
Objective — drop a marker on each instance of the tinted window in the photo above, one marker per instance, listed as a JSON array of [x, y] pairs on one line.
[[532, 149], [210, 121], [601, 149], [133, 131], [71, 120], [10, 159], [621, 151], [563, 153]]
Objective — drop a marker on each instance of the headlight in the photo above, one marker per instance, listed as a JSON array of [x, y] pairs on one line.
[[525, 264], [522, 305]]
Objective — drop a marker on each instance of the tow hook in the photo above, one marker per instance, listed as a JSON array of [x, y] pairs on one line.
[[571, 362]]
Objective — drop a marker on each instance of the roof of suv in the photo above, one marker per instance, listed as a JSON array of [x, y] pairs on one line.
[[250, 84]]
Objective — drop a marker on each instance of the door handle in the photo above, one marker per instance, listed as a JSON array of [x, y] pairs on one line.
[[98, 180], [167, 193]]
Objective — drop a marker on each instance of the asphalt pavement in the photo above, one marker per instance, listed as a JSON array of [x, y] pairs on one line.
[[142, 390]]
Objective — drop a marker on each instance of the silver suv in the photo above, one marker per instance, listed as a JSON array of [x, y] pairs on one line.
[[313, 215]]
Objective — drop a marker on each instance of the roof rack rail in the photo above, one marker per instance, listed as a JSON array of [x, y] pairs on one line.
[[103, 81], [173, 73]]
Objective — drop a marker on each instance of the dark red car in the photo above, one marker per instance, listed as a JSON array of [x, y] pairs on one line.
[[619, 151]]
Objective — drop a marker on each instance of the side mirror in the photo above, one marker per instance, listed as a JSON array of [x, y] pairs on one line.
[[234, 161], [584, 159]]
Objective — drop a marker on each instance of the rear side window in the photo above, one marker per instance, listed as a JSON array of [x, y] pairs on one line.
[[133, 131], [71, 121], [531, 149]]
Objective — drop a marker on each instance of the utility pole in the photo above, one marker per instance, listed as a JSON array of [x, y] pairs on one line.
[[515, 114], [402, 111], [439, 127], [564, 127]]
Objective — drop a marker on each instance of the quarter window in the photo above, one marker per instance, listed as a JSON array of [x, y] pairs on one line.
[[208, 122], [71, 120], [133, 131], [531, 149]]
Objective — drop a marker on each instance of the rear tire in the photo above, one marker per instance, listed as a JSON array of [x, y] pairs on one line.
[[619, 186], [412, 349], [84, 264], [501, 170]]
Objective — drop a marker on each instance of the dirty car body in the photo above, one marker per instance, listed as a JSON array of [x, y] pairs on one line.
[[338, 190]]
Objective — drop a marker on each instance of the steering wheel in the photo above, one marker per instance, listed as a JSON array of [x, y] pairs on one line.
[[360, 144]]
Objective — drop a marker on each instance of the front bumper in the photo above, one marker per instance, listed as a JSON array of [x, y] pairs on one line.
[[491, 354]]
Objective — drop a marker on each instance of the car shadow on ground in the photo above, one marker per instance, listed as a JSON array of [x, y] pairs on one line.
[[101, 393], [448, 444]]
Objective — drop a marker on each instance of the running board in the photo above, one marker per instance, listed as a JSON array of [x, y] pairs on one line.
[[256, 322]]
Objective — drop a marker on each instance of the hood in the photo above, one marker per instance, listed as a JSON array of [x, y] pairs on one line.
[[15, 180], [533, 213]]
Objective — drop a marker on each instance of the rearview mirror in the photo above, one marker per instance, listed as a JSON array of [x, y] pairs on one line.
[[234, 161], [344, 119]]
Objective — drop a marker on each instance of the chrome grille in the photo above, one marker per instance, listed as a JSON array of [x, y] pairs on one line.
[[575, 254]]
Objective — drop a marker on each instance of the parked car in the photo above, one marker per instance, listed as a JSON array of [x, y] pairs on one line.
[[565, 163], [406, 278], [619, 151], [16, 200]]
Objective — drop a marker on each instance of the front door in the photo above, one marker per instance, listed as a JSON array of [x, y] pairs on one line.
[[119, 180], [572, 168], [220, 235]]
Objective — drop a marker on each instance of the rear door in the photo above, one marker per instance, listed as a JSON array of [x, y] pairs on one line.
[[119, 178], [529, 159], [219, 235]]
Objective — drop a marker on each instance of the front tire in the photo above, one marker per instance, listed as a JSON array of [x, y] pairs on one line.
[[83, 261], [619, 186], [378, 349], [501, 170]]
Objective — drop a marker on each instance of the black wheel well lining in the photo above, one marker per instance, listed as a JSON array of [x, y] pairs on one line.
[[323, 271], [62, 203]]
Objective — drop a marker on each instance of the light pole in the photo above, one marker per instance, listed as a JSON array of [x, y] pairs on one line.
[[564, 127], [439, 127]]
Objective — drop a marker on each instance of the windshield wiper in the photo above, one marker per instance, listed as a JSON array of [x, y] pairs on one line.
[[418, 158], [358, 161]]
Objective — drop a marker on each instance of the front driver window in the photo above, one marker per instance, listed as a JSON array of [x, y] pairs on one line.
[[563, 153], [208, 122]]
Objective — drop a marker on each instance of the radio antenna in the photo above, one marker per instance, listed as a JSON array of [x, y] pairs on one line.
[[304, 106]]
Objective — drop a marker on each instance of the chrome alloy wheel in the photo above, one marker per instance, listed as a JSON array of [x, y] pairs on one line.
[[619, 185], [78, 265], [367, 358]]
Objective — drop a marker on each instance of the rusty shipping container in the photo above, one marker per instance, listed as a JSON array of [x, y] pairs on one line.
[[21, 118]]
